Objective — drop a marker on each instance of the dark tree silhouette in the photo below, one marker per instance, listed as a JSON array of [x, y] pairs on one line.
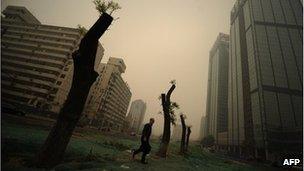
[[188, 137], [53, 150], [169, 117], [182, 147]]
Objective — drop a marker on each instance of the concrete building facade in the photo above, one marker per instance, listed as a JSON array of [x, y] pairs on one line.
[[36, 61], [107, 103], [217, 95], [136, 115], [265, 77], [21, 14]]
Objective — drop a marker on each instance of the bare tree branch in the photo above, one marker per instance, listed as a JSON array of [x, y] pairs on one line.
[[170, 92]]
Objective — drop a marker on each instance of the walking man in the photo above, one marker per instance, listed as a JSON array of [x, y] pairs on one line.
[[145, 147]]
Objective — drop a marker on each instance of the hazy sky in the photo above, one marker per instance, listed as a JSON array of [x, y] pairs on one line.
[[159, 40]]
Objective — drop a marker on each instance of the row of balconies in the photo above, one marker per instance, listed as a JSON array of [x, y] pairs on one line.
[[27, 73], [113, 91], [122, 84], [25, 78], [113, 111], [35, 47], [122, 106], [28, 82], [29, 53], [14, 84], [34, 73], [42, 33], [116, 106], [122, 92], [49, 28], [21, 33], [21, 89], [39, 38], [35, 44], [15, 96], [37, 64], [114, 118], [119, 90], [119, 102]]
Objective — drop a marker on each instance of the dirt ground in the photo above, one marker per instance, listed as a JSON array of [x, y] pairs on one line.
[[92, 150]]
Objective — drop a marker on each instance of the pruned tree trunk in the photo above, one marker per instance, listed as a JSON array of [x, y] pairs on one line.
[[162, 152], [182, 147], [188, 137], [53, 150]]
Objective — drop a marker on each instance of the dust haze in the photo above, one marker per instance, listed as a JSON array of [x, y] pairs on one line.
[[158, 40]]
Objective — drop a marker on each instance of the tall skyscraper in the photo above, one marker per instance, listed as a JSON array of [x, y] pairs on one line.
[[265, 77], [36, 61], [107, 103], [136, 115], [217, 95], [203, 128]]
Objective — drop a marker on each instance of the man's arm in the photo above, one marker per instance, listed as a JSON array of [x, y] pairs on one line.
[[145, 132]]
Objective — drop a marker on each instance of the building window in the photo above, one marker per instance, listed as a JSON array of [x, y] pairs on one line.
[[257, 11], [247, 15], [271, 110], [264, 56], [286, 111]]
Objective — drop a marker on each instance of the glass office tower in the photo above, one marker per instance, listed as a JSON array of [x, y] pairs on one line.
[[265, 77], [217, 95]]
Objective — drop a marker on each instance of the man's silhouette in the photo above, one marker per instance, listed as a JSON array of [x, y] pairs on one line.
[[145, 146]]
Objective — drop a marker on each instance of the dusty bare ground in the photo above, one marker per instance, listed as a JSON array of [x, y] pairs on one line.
[[90, 149]]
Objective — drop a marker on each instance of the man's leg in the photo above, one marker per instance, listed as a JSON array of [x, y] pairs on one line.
[[143, 158], [137, 151], [146, 150]]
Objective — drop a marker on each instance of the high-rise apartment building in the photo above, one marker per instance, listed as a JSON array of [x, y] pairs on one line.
[[265, 77], [21, 14], [217, 95], [136, 115], [36, 61], [109, 97]]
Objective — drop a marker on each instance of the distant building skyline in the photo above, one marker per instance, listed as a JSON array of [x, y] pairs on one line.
[[177, 132], [136, 115]]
